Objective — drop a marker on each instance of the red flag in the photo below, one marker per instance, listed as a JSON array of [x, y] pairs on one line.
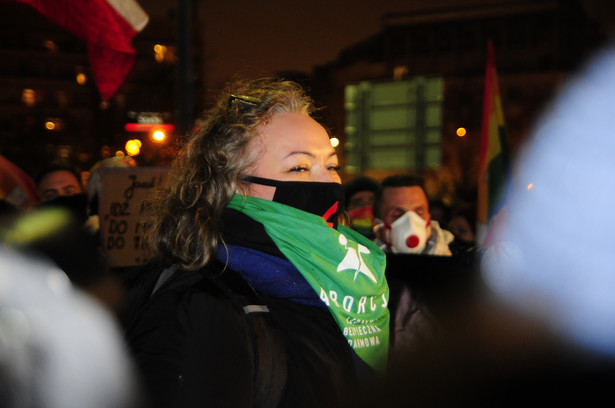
[[107, 26]]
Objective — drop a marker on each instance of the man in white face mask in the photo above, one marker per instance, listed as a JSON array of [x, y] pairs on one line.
[[403, 223]]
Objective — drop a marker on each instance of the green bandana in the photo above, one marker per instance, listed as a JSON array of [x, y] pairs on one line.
[[344, 268]]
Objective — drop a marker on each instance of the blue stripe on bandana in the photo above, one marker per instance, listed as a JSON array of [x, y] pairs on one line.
[[270, 275]]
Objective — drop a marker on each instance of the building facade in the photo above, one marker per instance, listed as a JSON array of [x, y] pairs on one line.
[[50, 107], [537, 45]]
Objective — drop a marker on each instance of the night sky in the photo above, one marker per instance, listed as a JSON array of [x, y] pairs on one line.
[[257, 38]]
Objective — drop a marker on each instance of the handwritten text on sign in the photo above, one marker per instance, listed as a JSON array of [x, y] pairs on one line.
[[122, 198]]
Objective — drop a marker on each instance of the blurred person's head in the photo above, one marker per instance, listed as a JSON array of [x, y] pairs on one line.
[[359, 198], [59, 185], [359, 192], [462, 223], [440, 212], [58, 347], [58, 180]]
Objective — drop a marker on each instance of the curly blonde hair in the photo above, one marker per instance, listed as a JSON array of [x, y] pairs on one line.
[[182, 221]]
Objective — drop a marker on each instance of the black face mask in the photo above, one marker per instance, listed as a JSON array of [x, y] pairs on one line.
[[76, 204], [323, 199]]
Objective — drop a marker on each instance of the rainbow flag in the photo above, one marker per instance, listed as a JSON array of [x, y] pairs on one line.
[[494, 170]]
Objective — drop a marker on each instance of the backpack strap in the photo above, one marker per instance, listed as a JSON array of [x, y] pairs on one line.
[[266, 345], [165, 275], [270, 360]]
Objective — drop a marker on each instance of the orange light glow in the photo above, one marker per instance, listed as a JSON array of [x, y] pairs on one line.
[[81, 78], [133, 147], [28, 96], [158, 135]]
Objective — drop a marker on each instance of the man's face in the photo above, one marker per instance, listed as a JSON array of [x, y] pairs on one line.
[[58, 183], [361, 199], [396, 201]]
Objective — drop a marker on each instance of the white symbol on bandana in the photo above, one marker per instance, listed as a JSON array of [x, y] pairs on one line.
[[354, 260]]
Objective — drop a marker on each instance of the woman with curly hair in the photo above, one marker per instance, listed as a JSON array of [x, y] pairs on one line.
[[262, 298]]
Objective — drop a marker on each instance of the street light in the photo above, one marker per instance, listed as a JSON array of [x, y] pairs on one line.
[[158, 135], [133, 147]]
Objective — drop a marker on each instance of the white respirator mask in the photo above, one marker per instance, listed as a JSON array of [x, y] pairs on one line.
[[407, 234]]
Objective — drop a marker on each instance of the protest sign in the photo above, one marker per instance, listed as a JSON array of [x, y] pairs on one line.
[[122, 199]]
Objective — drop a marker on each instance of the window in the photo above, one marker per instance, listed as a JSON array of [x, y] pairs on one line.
[[394, 125]]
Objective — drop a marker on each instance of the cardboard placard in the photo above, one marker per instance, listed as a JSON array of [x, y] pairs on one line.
[[122, 196]]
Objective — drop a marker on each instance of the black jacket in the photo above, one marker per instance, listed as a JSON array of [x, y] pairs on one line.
[[195, 345]]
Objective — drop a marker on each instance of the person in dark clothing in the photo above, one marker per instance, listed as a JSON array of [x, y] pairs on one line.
[[66, 233], [462, 224], [259, 297]]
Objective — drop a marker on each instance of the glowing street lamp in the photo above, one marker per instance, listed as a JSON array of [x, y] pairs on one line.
[[158, 135], [133, 147]]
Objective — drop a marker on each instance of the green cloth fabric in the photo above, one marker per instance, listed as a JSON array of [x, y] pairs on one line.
[[342, 266]]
